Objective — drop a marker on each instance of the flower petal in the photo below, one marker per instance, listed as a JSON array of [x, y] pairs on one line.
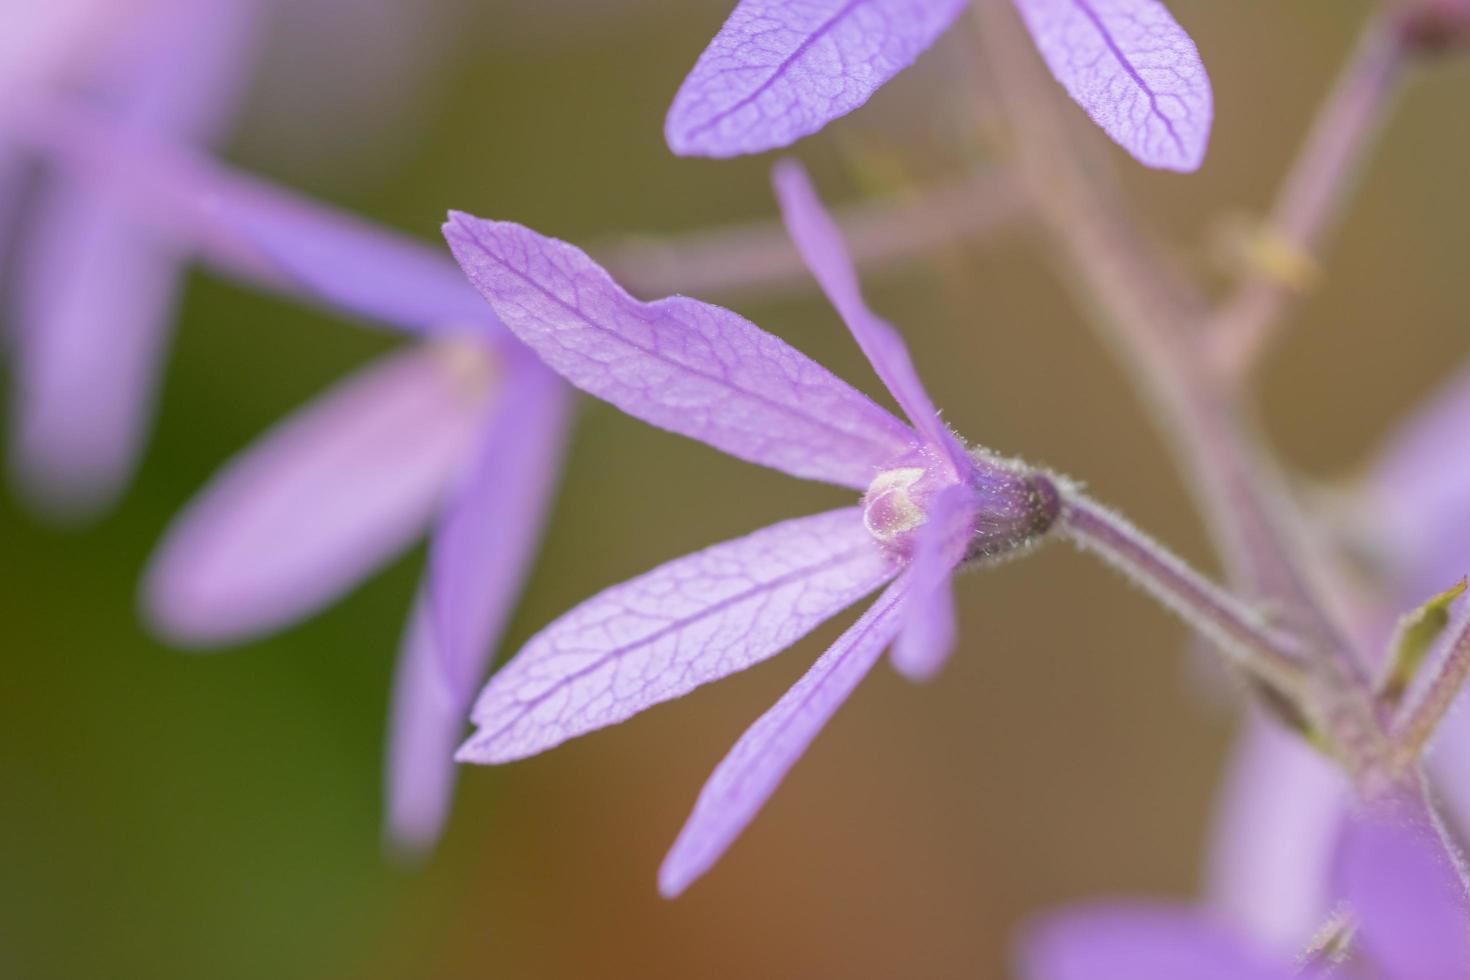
[[95, 297], [1276, 823], [1135, 71], [929, 630], [677, 363], [486, 538], [320, 502], [425, 723], [1416, 494], [690, 621], [267, 236], [745, 779], [98, 287], [819, 241], [1139, 941], [779, 70], [1413, 916], [350, 264]]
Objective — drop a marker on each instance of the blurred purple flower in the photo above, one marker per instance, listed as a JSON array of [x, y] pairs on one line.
[[1404, 916], [779, 70], [705, 372], [95, 287], [463, 431]]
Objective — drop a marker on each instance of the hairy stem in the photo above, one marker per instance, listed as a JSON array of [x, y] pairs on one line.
[[1315, 192], [1239, 630]]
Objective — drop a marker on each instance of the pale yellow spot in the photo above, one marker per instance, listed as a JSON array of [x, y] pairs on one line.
[[471, 367]]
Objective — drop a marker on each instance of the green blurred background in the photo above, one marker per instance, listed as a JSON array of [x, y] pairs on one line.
[[170, 815]]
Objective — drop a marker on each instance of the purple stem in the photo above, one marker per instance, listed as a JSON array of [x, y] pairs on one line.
[[1316, 191], [759, 257]]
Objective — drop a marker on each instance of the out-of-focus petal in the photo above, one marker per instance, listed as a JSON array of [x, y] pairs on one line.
[[779, 70], [677, 363], [690, 621], [94, 299], [1413, 916], [425, 723], [1417, 494], [486, 538], [1135, 71], [929, 629], [347, 263], [745, 779], [1131, 940], [97, 288], [1275, 829], [263, 234], [819, 241], [320, 501]]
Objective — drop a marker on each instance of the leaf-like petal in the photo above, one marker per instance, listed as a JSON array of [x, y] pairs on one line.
[[819, 241], [318, 503], [1140, 941], [779, 70], [686, 366], [1135, 71], [929, 629], [486, 538], [693, 620], [425, 722], [746, 778]]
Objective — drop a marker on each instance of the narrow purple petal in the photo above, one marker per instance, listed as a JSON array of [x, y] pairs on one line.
[[1129, 940], [320, 501], [686, 623], [347, 263], [929, 630], [425, 723], [1276, 824], [254, 231], [819, 241], [486, 538], [779, 70], [1135, 71], [98, 287], [1413, 916], [95, 296], [745, 779], [677, 363]]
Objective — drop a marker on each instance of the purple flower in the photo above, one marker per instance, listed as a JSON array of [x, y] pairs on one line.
[[1403, 916], [461, 431], [702, 371], [782, 69], [95, 289]]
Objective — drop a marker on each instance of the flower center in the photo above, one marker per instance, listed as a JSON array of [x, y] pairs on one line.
[[470, 366]]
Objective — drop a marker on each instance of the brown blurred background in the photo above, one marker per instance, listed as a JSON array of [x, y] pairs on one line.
[[168, 815]]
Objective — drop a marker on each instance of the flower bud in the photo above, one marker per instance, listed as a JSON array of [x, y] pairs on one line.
[[1014, 505]]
